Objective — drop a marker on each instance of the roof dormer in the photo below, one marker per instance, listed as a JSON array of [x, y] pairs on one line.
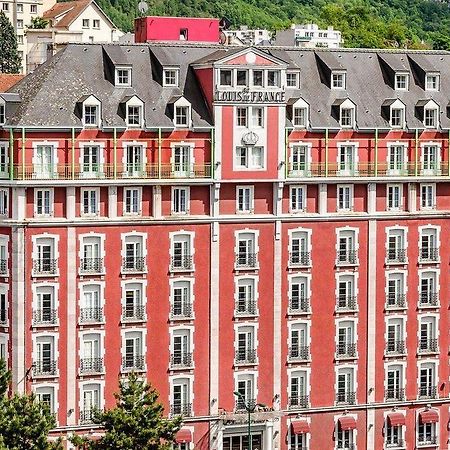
[[122, 76], [132, 109], [428, 112], [394, 111], [344, 110], [299, 112], [332, 71], [425, 73], [401, 81], [89, 109], [181, 110], [171, 76], [396, 70]]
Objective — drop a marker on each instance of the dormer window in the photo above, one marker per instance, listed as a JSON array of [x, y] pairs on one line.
[[90, 109], [292, 79], [170, 77], [2, 113], [273, 78], [430, 117], [225, 77], [432, 82], [338, 80], [123, 76], [91, 115], [401, 81], [397, 117], [347, 117], [300, 114], [134, 115], [182, 113]]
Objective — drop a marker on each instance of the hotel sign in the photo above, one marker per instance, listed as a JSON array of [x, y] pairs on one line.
[[250, 97]]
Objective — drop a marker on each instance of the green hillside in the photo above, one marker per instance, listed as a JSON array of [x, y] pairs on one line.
[[364, 23]]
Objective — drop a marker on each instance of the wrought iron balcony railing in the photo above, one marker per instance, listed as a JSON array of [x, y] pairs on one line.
[[346, 303], [426, 441], [242, 404], [245, 308], [428, 299], [46, 266], [91, 365], [299, 353], [396, 301], [91, 315], [347, 257], [394, 394], [133, 362], [347, 398], [133, 313], [133, 264], [245, 356], [395, 442], [182, 263], [181, 310], [247, 261], [86, 416], [45, 316], [427, 392], [91, 265], [3, 267], [298, 401], [300, 259], [181, 409], [395, 347], [396, 256], [428, 346], [429, 254], [45, 367], [299, 305], [180, 360], [345, 351], [3, 317]]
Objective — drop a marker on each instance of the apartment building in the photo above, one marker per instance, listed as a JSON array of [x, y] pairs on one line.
[[265, 221], [309, 36]]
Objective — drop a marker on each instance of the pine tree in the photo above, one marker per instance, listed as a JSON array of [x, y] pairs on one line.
[[136, 422], [24, 421], [10, 61]]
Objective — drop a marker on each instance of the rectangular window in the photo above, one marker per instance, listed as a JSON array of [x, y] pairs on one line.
[[85, 23], [5, 7], [2, 114], [257, 116], [19, 24], [297, 199], [241, 116], [345, 198], [244, 199], [396, 159], [346, 387], [180, 200], [397, 117], [347, 159], [300, 117], [182, 116], [134, 114], [432, 82], [225, 77], [273, 78], [181, 306], [246, 251], [430, 117], [338, 81], [428, 196], [91, 115], [90, 201], [242, 77], [394, 197], [96, 24], [292, 79], [250, 157], [4, 207], [90, 155], [123, 77], [258, 78], [132, 201], [401, 81], [430, 161], [170, 77], [347, 117], [426, 434], [44, 202]]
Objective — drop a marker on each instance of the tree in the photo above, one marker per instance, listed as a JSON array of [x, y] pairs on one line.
[[10, 61], [24, 421], [136, 422], [38, 23]]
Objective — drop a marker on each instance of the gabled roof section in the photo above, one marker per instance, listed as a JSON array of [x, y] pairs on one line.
[[423, 62], [7, 81], [396, 62], [333, 61], [116, 55]]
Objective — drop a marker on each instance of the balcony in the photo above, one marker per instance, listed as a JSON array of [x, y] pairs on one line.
[[92, 266], [181, 409], [429, 255], [47, 266], [347, 258], [427, 392], [345, 446], [133, 363], [395, 442], [91, 365], [346, 351], [3, 267], [91, 315], [299, 353], [396, 394], [45, 368], [133, 313], [394, 347], [242, 403], [246, 261], [245, 357], [299, 401], [3, 317], [300, 259], [346, 303], [428, 299], [427, 441], [346, 398], [396, 256], [86, 416], [245, 308], [45, 316], [299, 305], [181, 311], [110, 171], [182, 263], [428, 346], [134, 264], [181, 360], [396, 301]]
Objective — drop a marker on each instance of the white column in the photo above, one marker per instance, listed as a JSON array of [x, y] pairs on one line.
[[371, 330], [214, 320], [278, 199], [218, 142], [18, 308], [157, 202], [269, 443], [412, 197], [215, 199], [70, 203], [371, 198], [18, 203], [323, 198], [112, 202]]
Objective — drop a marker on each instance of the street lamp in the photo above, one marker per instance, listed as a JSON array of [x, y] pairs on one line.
[[250, 407]]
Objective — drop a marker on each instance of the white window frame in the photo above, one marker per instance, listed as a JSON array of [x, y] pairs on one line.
[[397, 80], [4, 253], [437, 162], [301, 198], [187, 191], [434, 109], [247, 190], [339, 79], [128, 210], [300, 104], [390, 151], [134, 102], [249, 157], [176, 73], [182, 103], [344, 207], [391, 204], [117, 77], [92, 101], [4, 201], [2, 111], [50, 201], [347, 105], [4, 158], [96, 213], [429, 203], [397, 106], [47, 388], [89, 173], [296, 78], [432, 78]]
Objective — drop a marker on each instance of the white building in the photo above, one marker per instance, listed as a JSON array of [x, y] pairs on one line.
[[21, 13], [244, 36], [309, 36], [75, 21]]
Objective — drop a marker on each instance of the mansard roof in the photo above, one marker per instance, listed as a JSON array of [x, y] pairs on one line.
[[49, 95]]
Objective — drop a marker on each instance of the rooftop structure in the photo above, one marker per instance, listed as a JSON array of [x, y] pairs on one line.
[[309, 36]]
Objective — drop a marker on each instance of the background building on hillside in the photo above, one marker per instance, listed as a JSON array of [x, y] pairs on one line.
[[75, 21], [309, 36], [20, 13], [246, 36]]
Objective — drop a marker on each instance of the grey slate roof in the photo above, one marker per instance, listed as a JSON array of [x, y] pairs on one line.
[[49, 95]]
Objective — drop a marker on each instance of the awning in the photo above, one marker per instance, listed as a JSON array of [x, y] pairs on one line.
[[347, 423], [396, 419], [183, 436], [429, 416], [300, 427]]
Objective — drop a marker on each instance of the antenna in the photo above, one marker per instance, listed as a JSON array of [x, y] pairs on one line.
[[142, 7]]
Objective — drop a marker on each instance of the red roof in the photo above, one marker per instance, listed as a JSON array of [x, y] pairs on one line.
[[183, 436], [429, 416], [69, 10], [347, 423], [396, 419], [8, 80], [300, 427]]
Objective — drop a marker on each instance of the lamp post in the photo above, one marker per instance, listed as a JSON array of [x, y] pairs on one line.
[[250, 407]]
